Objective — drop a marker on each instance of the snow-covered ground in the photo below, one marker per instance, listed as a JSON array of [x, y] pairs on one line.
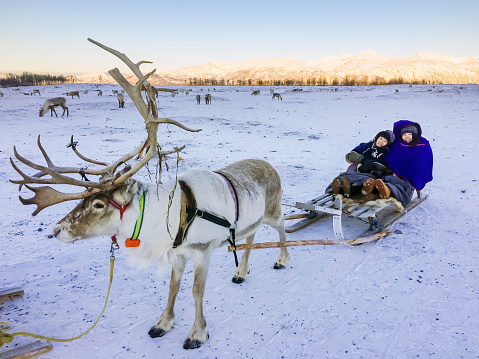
[[413, 294]]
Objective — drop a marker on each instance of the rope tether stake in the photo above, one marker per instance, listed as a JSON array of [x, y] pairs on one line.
[[7, 338]]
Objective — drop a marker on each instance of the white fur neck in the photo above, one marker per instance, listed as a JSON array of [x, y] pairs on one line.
[[160, 222]]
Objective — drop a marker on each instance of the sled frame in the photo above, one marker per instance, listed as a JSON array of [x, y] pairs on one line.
[[328, 205]]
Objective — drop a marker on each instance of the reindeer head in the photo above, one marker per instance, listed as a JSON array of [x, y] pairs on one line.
[[96, 214]]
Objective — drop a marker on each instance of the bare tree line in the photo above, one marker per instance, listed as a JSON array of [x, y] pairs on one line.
[[347, 80], [29, 79]]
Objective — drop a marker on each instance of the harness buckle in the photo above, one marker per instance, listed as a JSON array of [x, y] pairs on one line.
[[114, 246]]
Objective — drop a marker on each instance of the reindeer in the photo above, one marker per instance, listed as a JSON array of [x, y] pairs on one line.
[[278, 96], [256, 92], [85, 92], [100, 92], [51, 103], [208, 99], [115, 92], [73, 93], [175, 225], [198, 99], [1, 94], [35, 91], [121, 100]]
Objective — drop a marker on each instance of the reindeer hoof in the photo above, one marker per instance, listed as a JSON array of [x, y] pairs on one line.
[[237, 280], [156, 332], [191, 344], [278, 266]]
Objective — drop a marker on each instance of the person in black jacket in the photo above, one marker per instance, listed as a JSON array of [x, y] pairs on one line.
[[368, 162]]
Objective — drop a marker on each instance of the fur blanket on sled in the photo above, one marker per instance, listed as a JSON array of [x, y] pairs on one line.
[[371, 200]]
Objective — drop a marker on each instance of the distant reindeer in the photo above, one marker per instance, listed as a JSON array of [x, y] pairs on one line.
[[85, 92], [208, 99], [396, 92], [271, 91], [256, 92], [121, 100], [1, 94], [35, 91], [100, 92], [198, 99], [51, 103], [278, 96], [115, 92], [16, 90], [73, 93]]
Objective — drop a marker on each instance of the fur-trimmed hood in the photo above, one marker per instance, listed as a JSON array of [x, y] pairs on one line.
[[413, 162]]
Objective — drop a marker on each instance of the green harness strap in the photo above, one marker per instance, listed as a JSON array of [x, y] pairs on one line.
[[134, 241]]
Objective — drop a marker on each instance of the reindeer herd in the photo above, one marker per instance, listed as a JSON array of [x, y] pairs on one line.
[[51, 103]]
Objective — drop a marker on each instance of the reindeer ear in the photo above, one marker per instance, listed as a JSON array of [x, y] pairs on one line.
[[132, 186]]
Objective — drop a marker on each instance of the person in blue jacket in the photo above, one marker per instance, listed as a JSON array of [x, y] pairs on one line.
[[411, 161], [368, 162]]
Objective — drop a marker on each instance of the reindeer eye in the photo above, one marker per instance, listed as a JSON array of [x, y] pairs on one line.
[[99, 205]]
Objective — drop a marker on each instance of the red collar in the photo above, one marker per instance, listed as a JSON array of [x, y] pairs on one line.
[[121, 208]]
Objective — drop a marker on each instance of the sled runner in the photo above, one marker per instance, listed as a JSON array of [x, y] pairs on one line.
[[327, 205]]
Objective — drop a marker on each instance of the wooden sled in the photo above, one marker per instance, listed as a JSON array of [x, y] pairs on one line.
[[327, 205], [378, 218]]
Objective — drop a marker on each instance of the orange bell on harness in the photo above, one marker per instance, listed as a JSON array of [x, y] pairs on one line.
[[132, 242]]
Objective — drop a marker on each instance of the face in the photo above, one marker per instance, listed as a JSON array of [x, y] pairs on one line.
[[93, 217], [407, 137], [381, 141]]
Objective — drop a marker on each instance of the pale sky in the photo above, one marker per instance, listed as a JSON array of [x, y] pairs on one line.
[[51, 36]]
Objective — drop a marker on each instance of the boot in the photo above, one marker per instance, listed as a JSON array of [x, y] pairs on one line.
[[336, 186], [368, 186], [346, 184], [384, 191]]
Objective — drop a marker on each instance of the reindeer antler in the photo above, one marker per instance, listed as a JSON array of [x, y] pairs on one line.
[[149, 110], [110, 178]]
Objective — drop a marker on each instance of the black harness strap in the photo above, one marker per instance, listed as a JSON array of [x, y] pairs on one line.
[[190, 211], [232, 239]]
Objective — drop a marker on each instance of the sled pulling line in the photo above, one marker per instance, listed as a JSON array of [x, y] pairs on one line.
[[312, 242]]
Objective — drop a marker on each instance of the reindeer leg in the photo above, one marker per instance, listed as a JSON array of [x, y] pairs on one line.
[[243, 268], [283, 255], [53, 109], [199, 333], [167, 319]]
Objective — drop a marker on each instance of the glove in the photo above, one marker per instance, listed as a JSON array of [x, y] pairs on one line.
[[367, 165], [377, 174]]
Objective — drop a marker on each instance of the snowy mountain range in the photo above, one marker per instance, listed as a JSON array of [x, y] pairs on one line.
[[366, 66]]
